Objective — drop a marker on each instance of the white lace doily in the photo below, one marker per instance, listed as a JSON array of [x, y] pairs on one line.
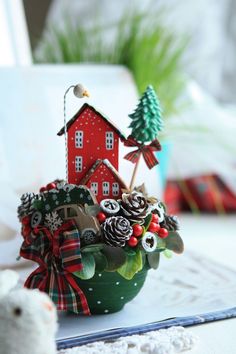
[[165, 341]]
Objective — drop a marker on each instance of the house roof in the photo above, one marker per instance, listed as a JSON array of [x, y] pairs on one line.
[[95, 167], [105, 118]]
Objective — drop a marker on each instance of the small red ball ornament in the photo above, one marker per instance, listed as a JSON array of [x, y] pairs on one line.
[[25, 220], [153, 227], [137, 230], [42, 189], [163, 232], [155, 218], [101, 217], [132, 241], [50, 186]]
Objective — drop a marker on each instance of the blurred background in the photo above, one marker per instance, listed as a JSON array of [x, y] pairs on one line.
[[185, 49]]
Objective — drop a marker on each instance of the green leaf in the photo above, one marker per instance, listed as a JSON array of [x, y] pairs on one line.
[[92, 248], [100, 261], [153, 259], [161, 244], [115, 257], [88, 270], [38, 204], [129, 251], [174, 242], [147, 222], [167, 253], [132, 265]]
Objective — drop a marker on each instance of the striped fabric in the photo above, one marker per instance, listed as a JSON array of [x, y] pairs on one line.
[[146, 150], [58, 256]]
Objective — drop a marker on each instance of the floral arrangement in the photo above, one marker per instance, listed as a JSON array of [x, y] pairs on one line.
[[78, 234], [121, 235]]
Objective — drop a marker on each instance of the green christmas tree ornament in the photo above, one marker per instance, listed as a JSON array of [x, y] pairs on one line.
[[147, 118]]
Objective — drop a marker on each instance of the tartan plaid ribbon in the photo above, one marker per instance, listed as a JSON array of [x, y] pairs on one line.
[[58, 256], [146, 150]]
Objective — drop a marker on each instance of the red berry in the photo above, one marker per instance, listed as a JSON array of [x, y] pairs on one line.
[[25, 220], [50, 186], [42, 189], [101, 217], [132, 241], [155, 218], [163, 232], [153, 227], [137, 230]]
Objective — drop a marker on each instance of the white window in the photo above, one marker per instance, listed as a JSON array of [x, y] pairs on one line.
[[109, 140], [94, 188], [115, 188], [78, 163], [105, 188], [79, 139]]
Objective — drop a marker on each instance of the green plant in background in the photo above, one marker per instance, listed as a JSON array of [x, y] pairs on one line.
[[153, 54]]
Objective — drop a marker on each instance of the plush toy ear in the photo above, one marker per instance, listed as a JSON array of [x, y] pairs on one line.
[[8, 280]]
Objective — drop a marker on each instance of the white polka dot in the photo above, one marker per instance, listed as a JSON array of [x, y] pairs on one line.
[[98, 302], [122, 297], [117, 283], [135, 284], [106, 311], [90, 289], [99, 274]]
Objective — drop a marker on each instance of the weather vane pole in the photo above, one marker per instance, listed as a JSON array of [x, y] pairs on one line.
[[80, 92]]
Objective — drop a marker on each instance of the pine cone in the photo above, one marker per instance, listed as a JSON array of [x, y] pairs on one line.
[[171, 223], [116, 231], [26, 207], [134, 207]]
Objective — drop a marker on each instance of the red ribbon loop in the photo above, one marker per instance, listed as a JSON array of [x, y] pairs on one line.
[[58, 256], [146, 150]]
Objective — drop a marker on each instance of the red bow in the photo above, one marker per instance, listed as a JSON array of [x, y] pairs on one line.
[[58, 256], [146, 150]]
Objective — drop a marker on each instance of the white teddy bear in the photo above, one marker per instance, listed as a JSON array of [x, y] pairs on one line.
[[28, 319]]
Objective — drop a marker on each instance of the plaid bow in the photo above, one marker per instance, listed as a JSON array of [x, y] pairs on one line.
[[146, 150], [58, 256]]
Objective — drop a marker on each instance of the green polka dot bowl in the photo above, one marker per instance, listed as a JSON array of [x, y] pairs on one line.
[[108, 292]]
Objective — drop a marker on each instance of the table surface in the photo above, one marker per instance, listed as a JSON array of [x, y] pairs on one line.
[[214, 237]]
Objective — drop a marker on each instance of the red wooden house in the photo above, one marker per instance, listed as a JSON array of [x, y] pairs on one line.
[[92, 137], [104, 180]]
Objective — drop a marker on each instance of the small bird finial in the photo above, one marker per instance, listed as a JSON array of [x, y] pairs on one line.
[[80, 91]]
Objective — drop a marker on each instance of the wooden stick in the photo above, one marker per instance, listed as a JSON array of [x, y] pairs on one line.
[[134, 174]]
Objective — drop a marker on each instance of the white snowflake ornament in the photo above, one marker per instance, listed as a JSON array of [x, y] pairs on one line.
[[53, 221]]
